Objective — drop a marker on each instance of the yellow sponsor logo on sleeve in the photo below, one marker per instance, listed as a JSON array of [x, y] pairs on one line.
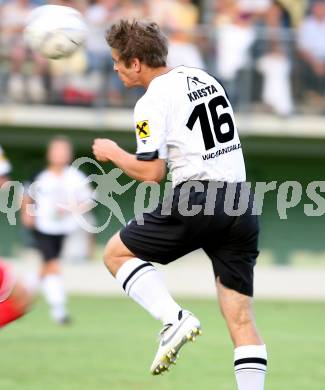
[[143, 129]]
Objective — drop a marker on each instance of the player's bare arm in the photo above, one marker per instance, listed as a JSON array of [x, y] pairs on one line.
[[26, 218], [106, 150]]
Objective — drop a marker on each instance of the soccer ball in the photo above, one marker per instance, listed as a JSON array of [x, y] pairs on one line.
[[55, 31]]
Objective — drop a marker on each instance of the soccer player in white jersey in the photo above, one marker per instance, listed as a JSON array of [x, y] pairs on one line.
[[184, 119], [46, 211]]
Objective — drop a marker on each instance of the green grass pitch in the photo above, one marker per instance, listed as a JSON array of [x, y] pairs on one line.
[[111, 344]]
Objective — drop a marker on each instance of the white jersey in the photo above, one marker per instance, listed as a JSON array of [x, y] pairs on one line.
[[186, 118], [5, 166], [54, 195]]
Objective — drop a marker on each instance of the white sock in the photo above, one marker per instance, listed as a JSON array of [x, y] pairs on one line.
[[54, 293], [250, 367], [142, 282]]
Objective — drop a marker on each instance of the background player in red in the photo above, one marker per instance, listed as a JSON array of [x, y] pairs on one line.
[[14, 297]]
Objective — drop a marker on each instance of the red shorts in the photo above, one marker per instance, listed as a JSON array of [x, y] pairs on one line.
[[7, 281]]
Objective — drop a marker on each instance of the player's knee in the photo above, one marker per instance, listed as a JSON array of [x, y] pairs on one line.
[[112, 256], [116, 254], [51, 267], [108, 255]]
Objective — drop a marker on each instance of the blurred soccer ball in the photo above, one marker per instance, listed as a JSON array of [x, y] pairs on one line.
[[55, 31]]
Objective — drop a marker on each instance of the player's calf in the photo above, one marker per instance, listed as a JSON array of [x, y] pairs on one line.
[[250, 355]]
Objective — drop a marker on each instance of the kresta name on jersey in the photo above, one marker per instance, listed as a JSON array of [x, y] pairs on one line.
[[202, 92]]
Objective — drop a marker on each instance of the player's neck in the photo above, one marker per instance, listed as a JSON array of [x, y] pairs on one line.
[[56, 169], [152, 73]]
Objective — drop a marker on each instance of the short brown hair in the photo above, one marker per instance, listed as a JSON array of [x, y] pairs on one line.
[[142, 40]]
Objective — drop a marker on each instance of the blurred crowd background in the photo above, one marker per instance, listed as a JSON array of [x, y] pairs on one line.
[[270, 55]]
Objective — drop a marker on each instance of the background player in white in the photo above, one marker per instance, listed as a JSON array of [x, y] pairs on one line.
[[185, 119], [47, 211]]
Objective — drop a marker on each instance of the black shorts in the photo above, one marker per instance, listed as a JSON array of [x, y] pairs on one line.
[[230, 241], [50, 245]]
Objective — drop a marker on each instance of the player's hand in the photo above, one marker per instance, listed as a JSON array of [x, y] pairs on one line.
[[104, 149]]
